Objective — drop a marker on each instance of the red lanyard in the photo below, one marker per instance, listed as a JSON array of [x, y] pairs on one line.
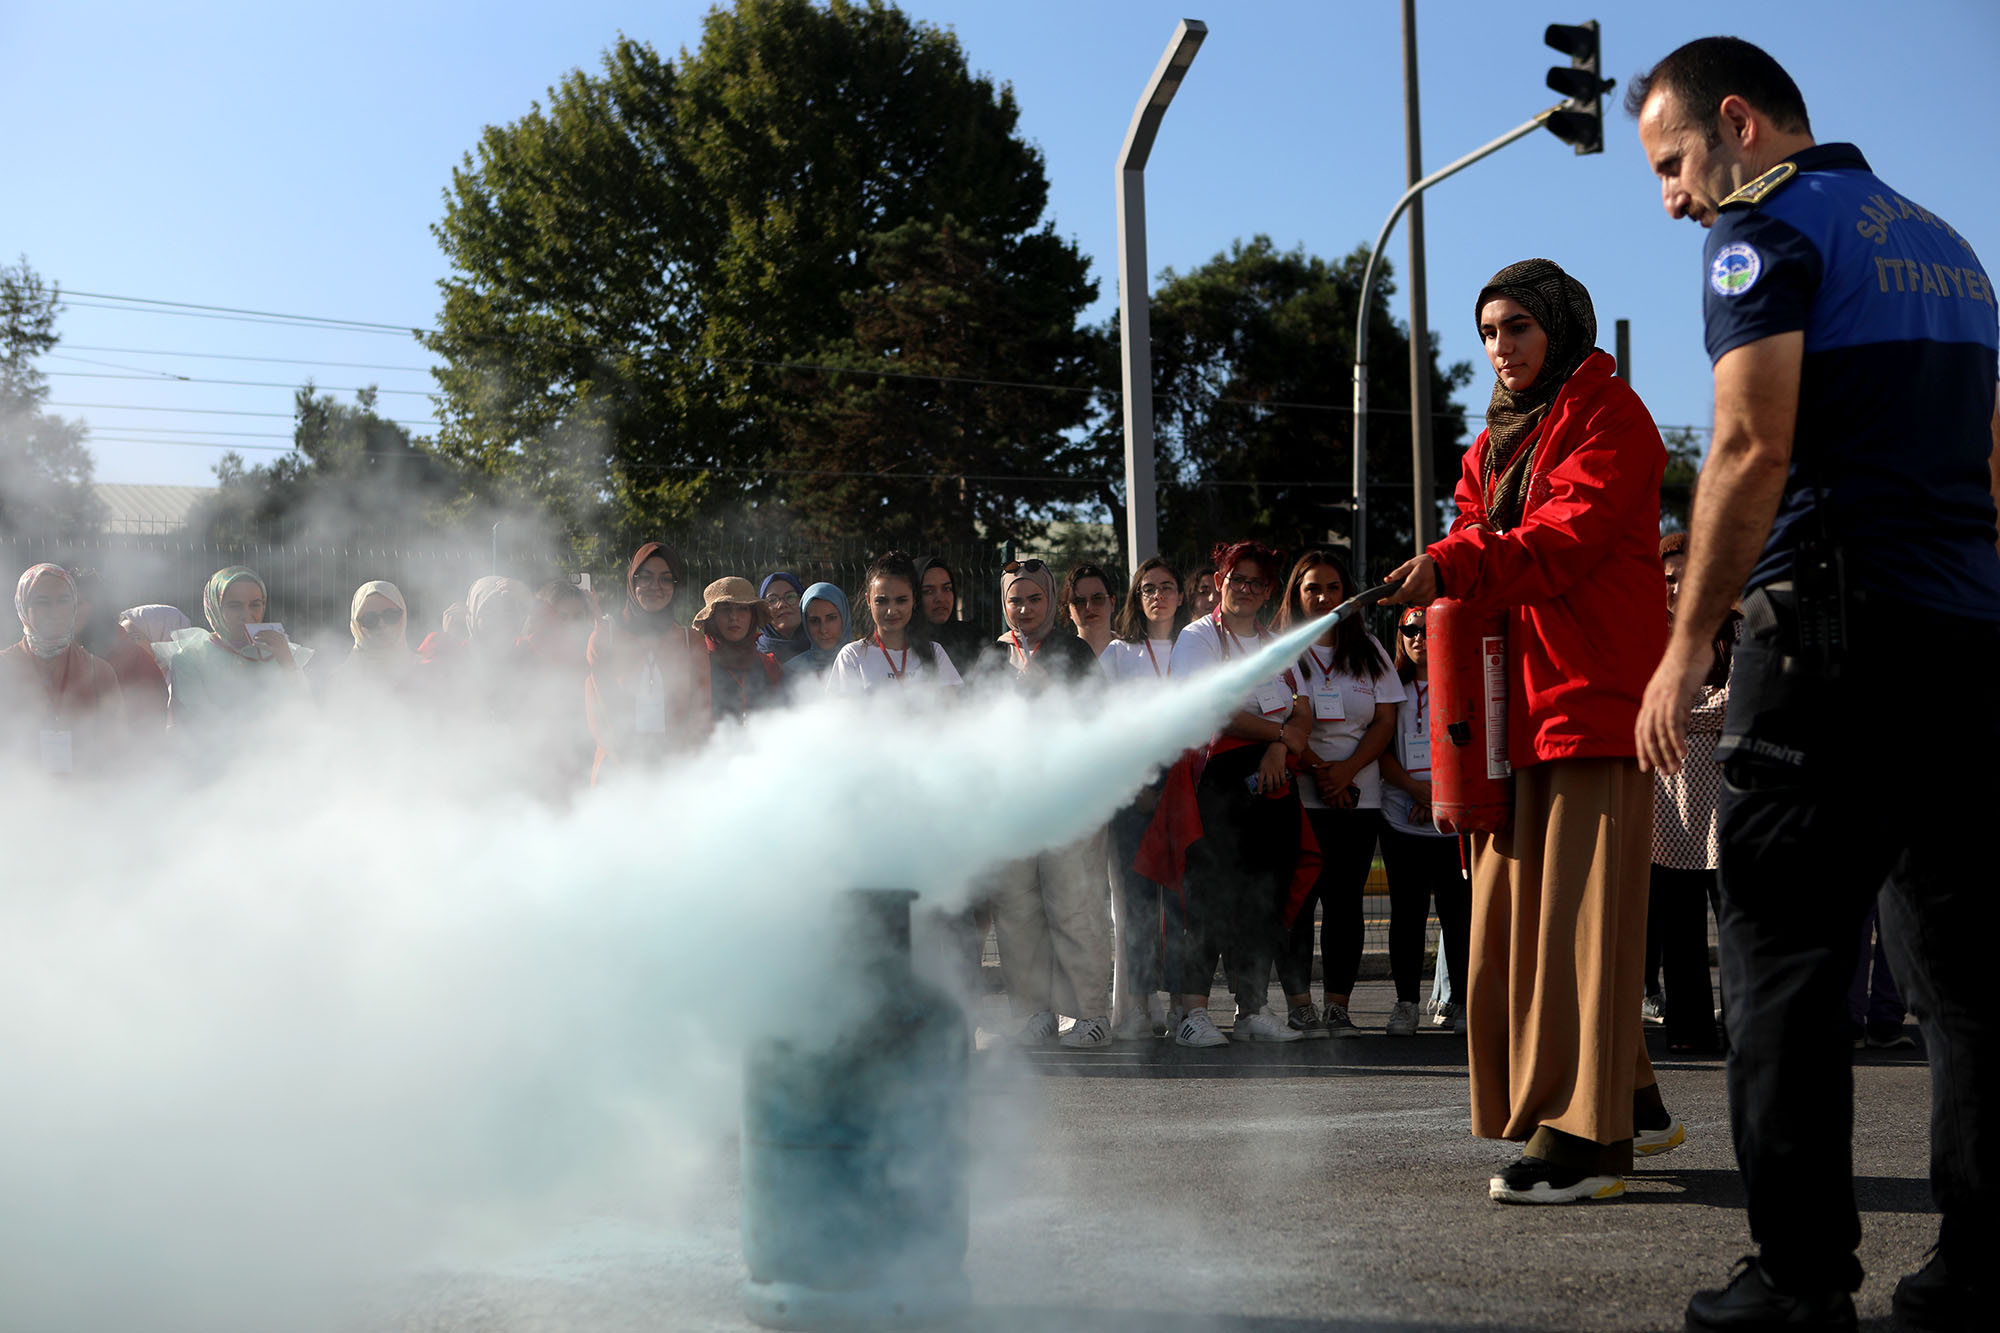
[[742, 690], [1326, 671], [1423, 704], [1152, 656], [1027, 654], [1222, 629], [895, 669]]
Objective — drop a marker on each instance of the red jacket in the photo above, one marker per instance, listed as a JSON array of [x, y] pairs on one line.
[[1581, 572]]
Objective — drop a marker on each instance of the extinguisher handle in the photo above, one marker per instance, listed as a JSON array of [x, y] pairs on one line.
[[1365, 599]]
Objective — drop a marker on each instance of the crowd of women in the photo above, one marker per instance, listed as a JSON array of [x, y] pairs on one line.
[[1228, 856]]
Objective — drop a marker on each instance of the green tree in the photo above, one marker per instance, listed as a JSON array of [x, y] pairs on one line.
[[354, 477], [1253, 369], [1677, 485], [639, 268], [44, 467]]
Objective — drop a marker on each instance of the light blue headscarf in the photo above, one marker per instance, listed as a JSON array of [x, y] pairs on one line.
[[816, 659]]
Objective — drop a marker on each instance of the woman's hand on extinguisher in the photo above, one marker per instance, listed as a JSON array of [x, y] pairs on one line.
[[1272, 775], [1418, 577]]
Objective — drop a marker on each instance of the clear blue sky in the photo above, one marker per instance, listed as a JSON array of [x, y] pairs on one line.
[[292, 158]]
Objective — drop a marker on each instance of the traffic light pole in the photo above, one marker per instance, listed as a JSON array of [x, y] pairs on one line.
[[1359, 511]]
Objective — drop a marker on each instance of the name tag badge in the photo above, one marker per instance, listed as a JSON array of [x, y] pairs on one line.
[[1273, 697], [1419, 763], [651, 717], [1328, 704], [56, 752]]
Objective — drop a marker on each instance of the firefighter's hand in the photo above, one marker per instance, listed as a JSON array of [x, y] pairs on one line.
[[1419, 581], [1661, 732]]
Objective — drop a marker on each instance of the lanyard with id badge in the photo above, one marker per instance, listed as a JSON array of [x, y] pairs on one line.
[[1329, 705], [651, 700]]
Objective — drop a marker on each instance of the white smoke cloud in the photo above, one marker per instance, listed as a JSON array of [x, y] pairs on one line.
[[356, 1006]]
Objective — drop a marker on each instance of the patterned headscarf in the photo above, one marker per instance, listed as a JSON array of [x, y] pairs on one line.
[[37, 644], [380, 641], [219, 583], [1561, 305]]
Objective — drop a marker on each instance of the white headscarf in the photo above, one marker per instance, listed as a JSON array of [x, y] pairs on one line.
[[380, 641], [154, 622]]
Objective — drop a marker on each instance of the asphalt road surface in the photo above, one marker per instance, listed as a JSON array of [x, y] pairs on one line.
[[1317, 1187]]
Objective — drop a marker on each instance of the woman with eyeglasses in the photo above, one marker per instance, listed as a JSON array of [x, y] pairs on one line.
[[225, 680], [1353, 692], [1241, 868], [1422, 864], [64, 711], [1147, 915], [1051, 910], [646, 695], [784, 637], [895, 647], [1086, 599]]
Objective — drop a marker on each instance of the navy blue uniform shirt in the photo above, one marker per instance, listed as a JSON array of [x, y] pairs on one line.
[[1897, 390]]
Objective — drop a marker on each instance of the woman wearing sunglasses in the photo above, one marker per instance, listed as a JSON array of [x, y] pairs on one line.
[[381, 659], [1354, 692], [1241, 867], [1086, 599], [1147, 917], [1422, 864]]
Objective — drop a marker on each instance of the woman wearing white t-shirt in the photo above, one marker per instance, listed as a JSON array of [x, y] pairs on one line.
[[895, 647], [1241, 866], [1421, 862], [1148, 917], [1353, 692]]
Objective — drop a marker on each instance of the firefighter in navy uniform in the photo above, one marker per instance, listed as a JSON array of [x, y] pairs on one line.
[[1849, 493]]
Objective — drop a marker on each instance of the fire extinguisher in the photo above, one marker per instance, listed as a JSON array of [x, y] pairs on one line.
[[1472, 782]]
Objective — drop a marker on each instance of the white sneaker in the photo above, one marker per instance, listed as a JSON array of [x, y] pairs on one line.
[[1133, 1025], [1403, 1019], [1160, 1011], [1198, 1029], [1261, 1026], [1037, 1030], [1088, 1034], [1653, 1142]]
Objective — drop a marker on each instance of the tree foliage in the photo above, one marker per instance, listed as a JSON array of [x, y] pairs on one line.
[[44, 467], [641, 268], [354, 477], [1677, 485], [1253, 371]]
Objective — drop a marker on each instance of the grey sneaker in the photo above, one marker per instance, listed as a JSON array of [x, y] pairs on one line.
[[1402, 1019], [1338, 1024], [1037, 1030], [1305, 1020], [1089, 1034]]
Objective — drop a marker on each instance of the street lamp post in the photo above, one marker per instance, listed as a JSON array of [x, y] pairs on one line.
[[1142, 529]]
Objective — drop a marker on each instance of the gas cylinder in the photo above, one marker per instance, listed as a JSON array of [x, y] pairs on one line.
[[855, 1202], [1472, 782]]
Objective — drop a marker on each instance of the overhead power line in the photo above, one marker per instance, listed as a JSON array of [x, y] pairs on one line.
[[203, 411], [240, 384], [224, 356]]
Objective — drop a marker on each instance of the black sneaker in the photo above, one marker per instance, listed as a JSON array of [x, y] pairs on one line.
[[1305, 1020], [1931, 1301], [1751, 1303], [1890, 1037], [1534, 1180]]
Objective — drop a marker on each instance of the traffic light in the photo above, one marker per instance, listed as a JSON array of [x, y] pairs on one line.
[[1580, 123]]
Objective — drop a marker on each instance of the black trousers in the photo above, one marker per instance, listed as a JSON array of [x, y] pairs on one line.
[[1805, 848], [1677, 921], [1346, 849], [1236, 874], [1419, 869]]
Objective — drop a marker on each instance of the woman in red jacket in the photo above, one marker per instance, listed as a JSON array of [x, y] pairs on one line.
[[1558, 522]]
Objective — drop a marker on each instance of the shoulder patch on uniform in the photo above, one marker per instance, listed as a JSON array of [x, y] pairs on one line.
[[1766, 185], [1735, 269]]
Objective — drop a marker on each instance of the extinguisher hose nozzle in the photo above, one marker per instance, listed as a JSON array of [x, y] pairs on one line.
[[1364, 599]]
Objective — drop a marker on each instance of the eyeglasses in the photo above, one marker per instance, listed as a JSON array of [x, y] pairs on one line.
[[1157, 589], [1095, 599], [370, 619], [1411, 630], [782, 599], [1247, 583], [652, 580], [1023, 567]]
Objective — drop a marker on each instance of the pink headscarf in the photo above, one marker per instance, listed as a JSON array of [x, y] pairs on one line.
[[41, 647]]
